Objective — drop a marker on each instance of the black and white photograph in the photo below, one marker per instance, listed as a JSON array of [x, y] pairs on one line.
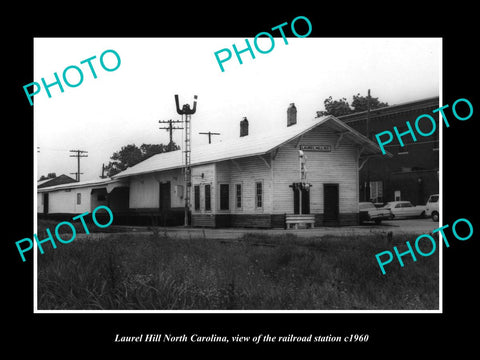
[[259, 187]]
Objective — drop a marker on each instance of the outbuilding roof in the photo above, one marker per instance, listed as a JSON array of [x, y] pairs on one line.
[[61, 179], [251, 145], [95, 183]]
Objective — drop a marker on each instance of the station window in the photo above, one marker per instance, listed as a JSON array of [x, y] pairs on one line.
[[208, 198], [376, 191], [79, 198], [196, 197], [397, 195], [238, 196], [258, 194]]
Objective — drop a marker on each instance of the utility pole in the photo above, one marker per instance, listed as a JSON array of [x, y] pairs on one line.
[[103, 176], [187, 113], [368, 115], [170, 128], [209, 135], [367, 196], [76, 175], [78, 155]]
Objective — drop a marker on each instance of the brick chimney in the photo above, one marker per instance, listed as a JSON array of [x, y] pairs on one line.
[[291, 115], [244, 127]]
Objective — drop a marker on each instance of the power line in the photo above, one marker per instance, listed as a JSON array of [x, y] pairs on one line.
[[367, 134], [78, 155], [170, 128], [50, 148], [76, 175]]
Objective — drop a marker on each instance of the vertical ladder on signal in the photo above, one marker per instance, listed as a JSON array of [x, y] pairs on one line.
[[187, 111], [188, 173]]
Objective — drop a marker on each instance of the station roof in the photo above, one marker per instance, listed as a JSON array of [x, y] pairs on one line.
[[250, 145]]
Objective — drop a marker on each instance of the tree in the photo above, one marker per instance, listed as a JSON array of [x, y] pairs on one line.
[[360, 103], [335, 107], [341, 107], [131, 155]]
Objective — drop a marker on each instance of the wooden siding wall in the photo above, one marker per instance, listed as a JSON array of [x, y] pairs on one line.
[[203, 220], [203, 175], [144, 189], [338, 166], [40, 203], [62, 201], [144, 192], [246, 171], [65, 202]]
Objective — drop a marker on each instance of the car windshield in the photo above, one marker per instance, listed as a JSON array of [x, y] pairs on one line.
[[388, 206], [433, 199]]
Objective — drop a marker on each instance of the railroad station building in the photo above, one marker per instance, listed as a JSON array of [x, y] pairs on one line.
[[255, 180]]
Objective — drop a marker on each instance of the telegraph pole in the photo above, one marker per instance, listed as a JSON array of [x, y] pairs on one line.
[[209, 135], [103, 176], [170, 128], [367, 196], [78, 155], [368, 115]]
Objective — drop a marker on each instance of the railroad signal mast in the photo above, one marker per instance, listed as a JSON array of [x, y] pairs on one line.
[[187, 113]]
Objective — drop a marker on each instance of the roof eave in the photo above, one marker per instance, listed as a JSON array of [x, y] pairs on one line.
[[75, 185]]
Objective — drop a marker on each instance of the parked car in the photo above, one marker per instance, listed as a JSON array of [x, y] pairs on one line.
[[368, 212], [431, 209], [404, 209]]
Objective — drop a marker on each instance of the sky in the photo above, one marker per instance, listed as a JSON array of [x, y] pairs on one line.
[[124, 106]]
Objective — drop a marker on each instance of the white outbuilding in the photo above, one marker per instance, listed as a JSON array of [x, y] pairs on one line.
[[79, 197]]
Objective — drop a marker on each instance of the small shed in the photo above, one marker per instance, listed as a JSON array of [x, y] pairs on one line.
[[65, 200]]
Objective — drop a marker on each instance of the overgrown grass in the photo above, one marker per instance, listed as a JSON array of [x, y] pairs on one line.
[[258, 272]]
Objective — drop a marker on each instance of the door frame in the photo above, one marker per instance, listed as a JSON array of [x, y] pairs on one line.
[[305, 197], [164, 209], [336, 214], [45, 203]]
